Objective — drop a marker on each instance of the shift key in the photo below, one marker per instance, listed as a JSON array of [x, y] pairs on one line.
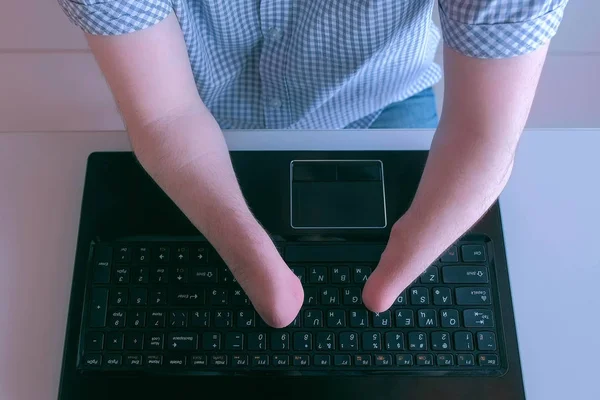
[[465, 274], [204, 275]]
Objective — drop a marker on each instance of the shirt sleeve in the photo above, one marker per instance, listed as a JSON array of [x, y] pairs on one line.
[[499, 28], [115, 17]]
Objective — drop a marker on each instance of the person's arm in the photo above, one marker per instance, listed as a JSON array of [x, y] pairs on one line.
[[486, 104], [180, 145]]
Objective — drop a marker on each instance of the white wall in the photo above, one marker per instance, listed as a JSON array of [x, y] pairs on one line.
[[49, 81]]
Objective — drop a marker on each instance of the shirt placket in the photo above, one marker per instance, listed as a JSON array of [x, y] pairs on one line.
[[276, 31]]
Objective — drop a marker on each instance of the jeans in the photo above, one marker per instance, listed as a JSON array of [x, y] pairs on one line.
[[418, 111]]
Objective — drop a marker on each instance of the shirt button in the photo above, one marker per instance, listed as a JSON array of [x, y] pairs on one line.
[[275, 103], [275, 33]]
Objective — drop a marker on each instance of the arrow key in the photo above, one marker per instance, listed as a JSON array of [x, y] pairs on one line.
[[200, 255], [162, 254], [180, 275]]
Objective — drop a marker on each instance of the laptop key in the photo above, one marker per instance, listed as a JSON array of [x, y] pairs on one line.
[[158, 297], [238, 360], [371, 341], [362, 360], [465, 274], [281, 360], [359, 319], [473, 296], [318, 275], [211, 341], [223, 318], [473, 253], [442, 296], [445, 360], [198, 361], [382, 319], [301, 360], [383, 360], [200, 319], [427, 318], [119, 297], [431, 275], [340, 275], [488, 360], [257, 341], [139, 296], [134, 341], [98, 308], [204, 275], [134, 360], [341, 360], [361, 274], [140, 275], [114, 341], [261, 360], [404, 360], [182, 341], [440, 341], [463, 341], [154, 360], [330, 296], [175, 360], [424, 359], [321, 360], [117, 319], [419, 296], [348, 341], [159, 275], [234, 341], [280, 341], [336, 318], [218, 297], [246, 318], [465, 360], [449, 318], [219, 360], [325, 341], [394, 341], [94, 341], [479, 318], [417, 341], [302, 341], [352, 296], [405, 318], [486, 341], [310, 296], [113, 360], [121, 275], [154, 341], [178, 319], [313, 318]]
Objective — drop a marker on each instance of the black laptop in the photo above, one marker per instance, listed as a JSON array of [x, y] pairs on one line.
[[155, 313]]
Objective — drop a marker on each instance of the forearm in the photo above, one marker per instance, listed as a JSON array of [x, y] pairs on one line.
[[486, 104], [485, 109], [187, 156]]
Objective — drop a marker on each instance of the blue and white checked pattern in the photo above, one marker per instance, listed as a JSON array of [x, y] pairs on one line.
[[323, 64]]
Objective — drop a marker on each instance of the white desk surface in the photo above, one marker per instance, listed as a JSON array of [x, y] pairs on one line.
[[550, 210]]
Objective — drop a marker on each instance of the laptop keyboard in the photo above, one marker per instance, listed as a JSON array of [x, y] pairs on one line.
[[174, 307]]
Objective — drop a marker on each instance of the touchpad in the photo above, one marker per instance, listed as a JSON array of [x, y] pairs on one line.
[[337, 194]]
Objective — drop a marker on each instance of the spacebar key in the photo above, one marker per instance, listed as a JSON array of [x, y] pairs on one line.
[[334, 252]]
